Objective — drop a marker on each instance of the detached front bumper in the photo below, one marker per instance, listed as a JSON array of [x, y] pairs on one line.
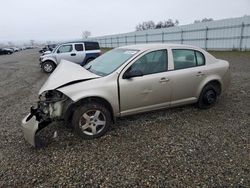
[[30, 127], [50, 108]]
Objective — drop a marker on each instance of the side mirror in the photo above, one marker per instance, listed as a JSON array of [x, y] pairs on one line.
[[133, 73]]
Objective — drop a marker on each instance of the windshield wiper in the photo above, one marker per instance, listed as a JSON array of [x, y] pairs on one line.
[[89, 67]]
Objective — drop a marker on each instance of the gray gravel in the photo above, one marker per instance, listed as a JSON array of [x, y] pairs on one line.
[[180, 147]]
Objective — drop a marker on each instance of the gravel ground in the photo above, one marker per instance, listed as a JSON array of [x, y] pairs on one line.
[[180, 147]]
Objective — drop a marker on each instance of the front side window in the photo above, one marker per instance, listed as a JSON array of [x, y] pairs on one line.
[[153, 62], [79, 47], [65, 49], [110, 61]]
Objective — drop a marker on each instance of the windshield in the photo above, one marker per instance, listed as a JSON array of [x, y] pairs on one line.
[[54, 50], [110, 61]]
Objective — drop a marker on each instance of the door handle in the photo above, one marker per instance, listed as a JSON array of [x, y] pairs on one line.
[[73, 54], [200, 73], [164, 80], [147, 91]]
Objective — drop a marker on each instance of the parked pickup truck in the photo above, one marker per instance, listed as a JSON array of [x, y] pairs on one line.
[[78, 52], [126, 81]]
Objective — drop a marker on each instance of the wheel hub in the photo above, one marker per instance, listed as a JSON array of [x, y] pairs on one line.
[[210, 97], [92, 122], [47, 67]]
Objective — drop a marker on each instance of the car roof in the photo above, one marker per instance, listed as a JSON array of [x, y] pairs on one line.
[[143, 47]]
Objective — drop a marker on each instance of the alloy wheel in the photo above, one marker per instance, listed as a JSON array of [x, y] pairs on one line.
[[92, 122]]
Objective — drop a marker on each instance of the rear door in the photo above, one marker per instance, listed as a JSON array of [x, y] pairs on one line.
[[79, 54], [189, 71]]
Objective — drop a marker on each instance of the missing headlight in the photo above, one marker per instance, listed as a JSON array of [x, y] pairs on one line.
[[52, 96]]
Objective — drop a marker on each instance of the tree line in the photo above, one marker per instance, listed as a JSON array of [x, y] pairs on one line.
[[164, 24]]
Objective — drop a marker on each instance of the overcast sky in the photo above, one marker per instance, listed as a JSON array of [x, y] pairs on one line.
[[66, 19]]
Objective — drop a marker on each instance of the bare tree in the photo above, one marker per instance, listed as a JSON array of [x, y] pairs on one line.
[[145, 26], [159, 25], [204, 20], [151, 25], [86, 34]]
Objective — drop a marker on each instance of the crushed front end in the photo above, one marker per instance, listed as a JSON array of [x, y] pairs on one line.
[[52, 106]]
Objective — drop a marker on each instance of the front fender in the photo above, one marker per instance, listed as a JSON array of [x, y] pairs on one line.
[[94, 88], [49, 59]]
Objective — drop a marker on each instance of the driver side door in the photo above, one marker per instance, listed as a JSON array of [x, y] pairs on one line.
[[149, 91], [64, 52]]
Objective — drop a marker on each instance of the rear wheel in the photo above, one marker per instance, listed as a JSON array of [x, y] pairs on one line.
[[208, 97], [48, 66], [92, 120]]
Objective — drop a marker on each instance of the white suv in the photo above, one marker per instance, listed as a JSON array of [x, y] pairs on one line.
[[77, 52]]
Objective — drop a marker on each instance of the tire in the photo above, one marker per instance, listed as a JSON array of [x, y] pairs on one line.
[[208, 97], [48, 66], [89, 60], [91, 120]]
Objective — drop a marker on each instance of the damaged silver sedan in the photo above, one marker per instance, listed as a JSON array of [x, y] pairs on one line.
[[126, 81]]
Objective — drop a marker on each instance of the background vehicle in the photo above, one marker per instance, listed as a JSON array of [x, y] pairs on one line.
[[15, 49], [47, 48], [126, 81], [5, 51], [78, 52]]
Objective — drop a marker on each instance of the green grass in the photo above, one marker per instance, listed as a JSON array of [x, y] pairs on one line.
[[104, 50]]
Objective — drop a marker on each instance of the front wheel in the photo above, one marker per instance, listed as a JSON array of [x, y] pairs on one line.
[[92, 120], [48, 66], [208, 97]]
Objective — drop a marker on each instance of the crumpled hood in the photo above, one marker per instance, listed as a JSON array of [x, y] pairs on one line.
[[66, 73]]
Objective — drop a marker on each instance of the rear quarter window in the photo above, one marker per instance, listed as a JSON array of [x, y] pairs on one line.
[[200, 58], [92, 46]]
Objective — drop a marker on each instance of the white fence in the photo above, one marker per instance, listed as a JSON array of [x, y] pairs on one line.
[[226, 34]]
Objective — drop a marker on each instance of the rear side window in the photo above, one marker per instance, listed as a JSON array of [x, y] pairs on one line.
[[92, 46], [187, 58], [79, 47]]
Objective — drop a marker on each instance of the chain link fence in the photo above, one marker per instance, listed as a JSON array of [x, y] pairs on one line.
[[228, 34]]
